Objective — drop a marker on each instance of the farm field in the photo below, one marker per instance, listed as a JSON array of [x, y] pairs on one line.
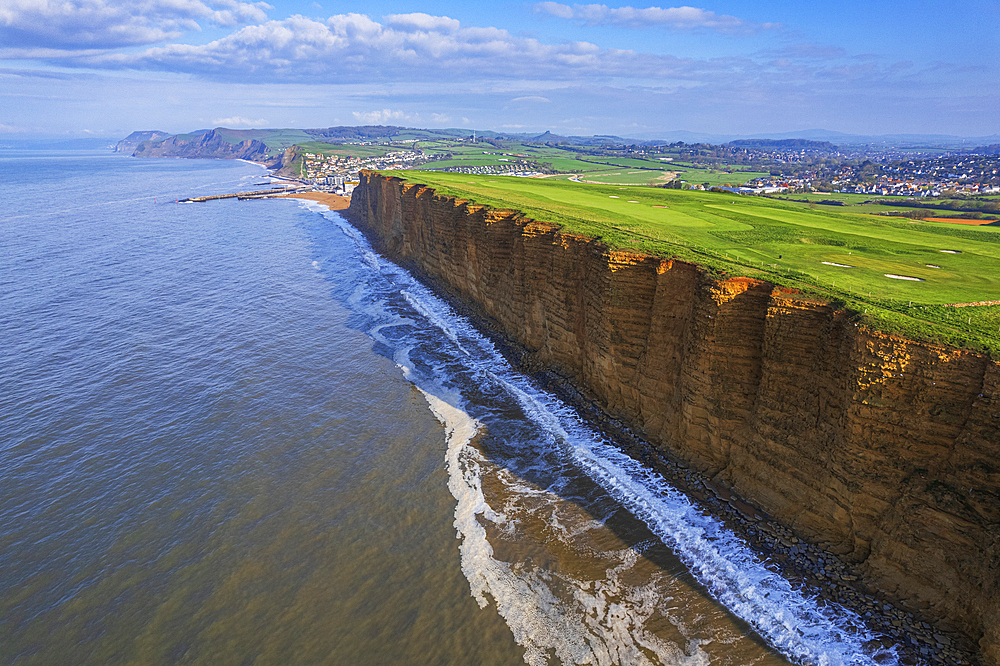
[[855, 203], [346, 150], [719, 176], [570, 162], [896, 274]]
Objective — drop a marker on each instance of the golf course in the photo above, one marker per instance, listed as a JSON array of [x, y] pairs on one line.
[[896, 274]]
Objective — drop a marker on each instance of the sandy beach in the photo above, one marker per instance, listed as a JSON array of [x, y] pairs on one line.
[[332, 201]]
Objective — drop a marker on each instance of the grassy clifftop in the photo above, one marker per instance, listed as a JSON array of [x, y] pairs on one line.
[[898, 275]]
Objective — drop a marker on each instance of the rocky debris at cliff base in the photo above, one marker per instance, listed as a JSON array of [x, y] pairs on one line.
[[819, 572], [586, 312]]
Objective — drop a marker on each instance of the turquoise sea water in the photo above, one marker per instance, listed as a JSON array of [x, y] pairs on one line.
[[230, 433]]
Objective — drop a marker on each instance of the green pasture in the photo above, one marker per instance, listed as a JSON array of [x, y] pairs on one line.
[[716, 177], [568, 164], [855, 203], [280, 139], [886, 203], [611, 170], [346, 149], [833, 251], [849, 198], [624, 162], [626, 177]]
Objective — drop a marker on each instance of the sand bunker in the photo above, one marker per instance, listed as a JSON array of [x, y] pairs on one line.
[[903, 277], [931, 266], [952, 251], [959, 220], [830, 263]]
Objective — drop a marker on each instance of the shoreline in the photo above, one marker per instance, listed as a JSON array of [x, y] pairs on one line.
[[328, 199], [818, 572], [918, 638]]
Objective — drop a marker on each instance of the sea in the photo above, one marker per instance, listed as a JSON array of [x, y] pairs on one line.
[[232, 433]]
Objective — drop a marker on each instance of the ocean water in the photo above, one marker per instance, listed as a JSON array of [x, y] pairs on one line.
[[231, 433]]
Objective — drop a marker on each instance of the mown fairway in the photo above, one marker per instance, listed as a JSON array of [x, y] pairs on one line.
[[841, 254]]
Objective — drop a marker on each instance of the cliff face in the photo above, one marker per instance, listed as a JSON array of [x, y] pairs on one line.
[[884, 450], [133, 140]]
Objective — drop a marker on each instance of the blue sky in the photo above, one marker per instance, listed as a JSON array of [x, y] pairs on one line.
[[107, 67]]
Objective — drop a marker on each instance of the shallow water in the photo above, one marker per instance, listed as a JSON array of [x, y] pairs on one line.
[[231, 433]]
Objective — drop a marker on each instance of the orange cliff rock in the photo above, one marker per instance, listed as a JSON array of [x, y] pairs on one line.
[[883, 450]]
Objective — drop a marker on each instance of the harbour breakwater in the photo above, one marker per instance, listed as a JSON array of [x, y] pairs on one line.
[[879, 449]]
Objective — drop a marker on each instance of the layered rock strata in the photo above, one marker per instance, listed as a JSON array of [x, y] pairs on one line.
[[882, 450]]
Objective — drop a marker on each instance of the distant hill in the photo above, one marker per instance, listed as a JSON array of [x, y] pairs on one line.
[[837, 138], [221, 141], [786, 144], [212, 144], [132, 141]]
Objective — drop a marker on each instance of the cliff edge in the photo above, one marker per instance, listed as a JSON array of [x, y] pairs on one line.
[[883, 450]]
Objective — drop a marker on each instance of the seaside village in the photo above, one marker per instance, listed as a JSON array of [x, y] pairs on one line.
[[943, 176], [947, 175], [339, 173]]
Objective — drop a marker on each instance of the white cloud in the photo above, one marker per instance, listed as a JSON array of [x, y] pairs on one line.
[[379, 117], [239, 121], [115, 23], [677, 18], [808, 51], [555, 9], [424, 22], [354, 48], [415, 61], [13, 129]]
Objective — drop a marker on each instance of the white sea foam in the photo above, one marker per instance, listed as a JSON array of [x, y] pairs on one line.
[[313, 206], [434, 319], [789, 620], [603, 626]]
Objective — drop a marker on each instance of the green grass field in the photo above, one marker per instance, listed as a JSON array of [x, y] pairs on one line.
[[720, 176], [347, 150], [833, 251], [612, 170]]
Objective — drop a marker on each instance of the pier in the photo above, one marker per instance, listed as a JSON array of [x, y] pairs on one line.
[[245, 195]]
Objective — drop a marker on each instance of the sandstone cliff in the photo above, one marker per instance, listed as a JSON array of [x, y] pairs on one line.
[[881, 449]]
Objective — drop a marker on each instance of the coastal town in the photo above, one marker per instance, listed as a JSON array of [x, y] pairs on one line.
[[947, 175], [808, 169], [339, 173]]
